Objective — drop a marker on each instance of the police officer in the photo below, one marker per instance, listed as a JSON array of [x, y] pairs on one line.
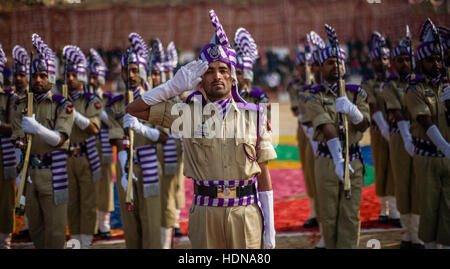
[[338, 215], [104, 186], [141, 224], [84, 168], [7, 162], [50, 126], [224, 212], [401, 148], [379, 131], [425, 100]]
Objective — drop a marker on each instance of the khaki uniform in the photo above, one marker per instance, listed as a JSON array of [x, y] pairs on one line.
[[431, 168], [142, 225], [82, 205], [105, 186], [339, 217], [47, 221], [406, 191], [384, 178], [211, 159], [6, 184]]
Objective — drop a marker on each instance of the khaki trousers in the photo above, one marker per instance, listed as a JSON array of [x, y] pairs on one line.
[[406, 188], [47, 221], [384, 178], [433, 174], [239, 227], [82, 207], [142, 225], [105, 189], [339, 217], [7, 195]]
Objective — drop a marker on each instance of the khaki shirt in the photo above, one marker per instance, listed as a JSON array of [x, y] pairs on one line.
[[394, 90], [374, 87], [304, 95], [6, 103], [89, 106], [293, 89], [51, 114], [423, 98], [217, 158], [322, 108]]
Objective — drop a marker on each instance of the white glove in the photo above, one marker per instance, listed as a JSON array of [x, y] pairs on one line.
[[132, 122], [28, 179], [81, 121], [266, 199], [343, 105], [382, 124], [314, 144], [299, 117], [186, 78], [18, 155], [105, 119], [334, 146], [436, 137], [445, 94], [123, 156], [403, 126], [32, 126]]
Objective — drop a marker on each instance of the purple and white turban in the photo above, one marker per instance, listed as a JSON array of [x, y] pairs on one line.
[[157, 59], [429, 45], [444, 33], [76, 62], [3, 61], [171, 58], [21, 60], [45, 59], [329, 50], [379, 48], [220, 49], [97, 66], [246, 52], [138, 55], [401, 49], [318, 45]]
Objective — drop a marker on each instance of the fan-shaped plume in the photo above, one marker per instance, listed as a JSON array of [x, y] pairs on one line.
[[316, 40], [97, 58], [157, 50], [331, 34], [377, 40], [245, 44], [74, 55], [3, 58], [138, 45], [42, 48], [426, 33], [172, 55], [20, 55], [220, 32], [444, 32]]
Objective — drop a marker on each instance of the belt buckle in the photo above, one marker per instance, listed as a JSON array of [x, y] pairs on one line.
[[226, 192]]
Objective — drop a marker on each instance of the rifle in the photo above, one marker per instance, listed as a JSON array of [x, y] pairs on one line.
[[411, 54], [307, 66], [20, 201], [445, 69], [90, 86], [343, 121], [130, 133], [64, 90]]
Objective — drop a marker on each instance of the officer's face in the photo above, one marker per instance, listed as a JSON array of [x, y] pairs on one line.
[[20, 80], [432, 65], [380, 63], [300, 70], [315, 68], [134, 78], [402, 64], [156, 77], [40, 82], [93, 81], [73, 84], [217, 81], [240, 77], [330, 71]]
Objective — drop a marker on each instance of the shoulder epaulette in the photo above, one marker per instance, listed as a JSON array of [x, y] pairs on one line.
[[391, 77], [316, 89], [114, 99], [293, 81], [306, 87], [108, 95], [60, 99], [417, 79], [353, 88]]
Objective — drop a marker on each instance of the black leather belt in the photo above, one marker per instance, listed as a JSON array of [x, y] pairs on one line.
[[225, 191]]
